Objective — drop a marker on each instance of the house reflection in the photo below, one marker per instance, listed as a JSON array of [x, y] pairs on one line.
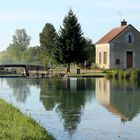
[[119, 99]]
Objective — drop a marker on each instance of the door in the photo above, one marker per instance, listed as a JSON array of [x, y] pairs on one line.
[[129, 59]]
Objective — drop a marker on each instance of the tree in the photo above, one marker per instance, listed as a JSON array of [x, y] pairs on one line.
[[31, 56], [70, 42], [18, 47], [89, 51], [21, 39], [47, 43], [14, 53]]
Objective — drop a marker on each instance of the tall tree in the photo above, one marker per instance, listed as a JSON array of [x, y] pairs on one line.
[[31, 56], [47, 43], [70, 42], [21, 39], [89, 51], [18, 47]]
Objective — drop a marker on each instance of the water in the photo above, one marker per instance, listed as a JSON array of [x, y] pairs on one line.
[[78, 108]]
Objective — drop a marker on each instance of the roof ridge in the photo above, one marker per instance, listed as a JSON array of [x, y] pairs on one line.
[[111, 34]]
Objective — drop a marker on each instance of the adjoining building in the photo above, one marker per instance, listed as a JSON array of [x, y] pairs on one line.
[[119, 48]]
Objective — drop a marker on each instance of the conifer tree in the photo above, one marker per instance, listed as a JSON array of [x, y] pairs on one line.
[[70, 43]]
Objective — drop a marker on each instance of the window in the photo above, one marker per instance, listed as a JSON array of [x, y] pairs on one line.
[[105, 57], [100, 58], [129, 38], [117, 61]]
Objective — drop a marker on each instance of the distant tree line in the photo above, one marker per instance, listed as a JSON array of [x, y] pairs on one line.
[[65, 47]]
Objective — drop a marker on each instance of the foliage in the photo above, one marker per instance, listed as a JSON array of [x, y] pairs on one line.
[[127, 74], [15, 125], [108, 74], [121, 74], [31, 56], [135, 74], [16, 49], [89, 50], [70, 42], [131, 74], [21, 39], [68, 46], [15, 53], [47, 44]]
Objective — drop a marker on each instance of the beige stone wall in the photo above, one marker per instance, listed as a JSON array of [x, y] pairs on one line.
[[101, 49]]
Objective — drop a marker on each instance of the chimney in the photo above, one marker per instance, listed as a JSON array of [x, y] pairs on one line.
[[123, 23]]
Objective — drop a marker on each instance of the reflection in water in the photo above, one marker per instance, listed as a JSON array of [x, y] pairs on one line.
[[21, 87], [122, 100], [71, 105], [68, 96]]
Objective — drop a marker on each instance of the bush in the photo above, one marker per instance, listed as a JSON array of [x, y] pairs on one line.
[[132, 74], [116, 74], [121, 74], [135, 74], [109, 75], [127, 74]]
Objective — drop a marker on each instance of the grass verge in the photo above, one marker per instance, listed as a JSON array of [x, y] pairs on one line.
[[93, 74], [128, 74], [15, 125]]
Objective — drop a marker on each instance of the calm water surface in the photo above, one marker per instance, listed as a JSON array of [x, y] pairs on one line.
[[78, 109]]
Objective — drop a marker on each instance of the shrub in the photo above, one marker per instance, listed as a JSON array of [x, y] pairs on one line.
[[109, 75], [121, 74], [135, 74], [116, 74], [127, 74]]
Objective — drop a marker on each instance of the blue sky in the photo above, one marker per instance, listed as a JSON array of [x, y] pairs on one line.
[[95, 16]]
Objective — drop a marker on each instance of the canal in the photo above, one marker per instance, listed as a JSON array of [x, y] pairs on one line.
[[78, 108]]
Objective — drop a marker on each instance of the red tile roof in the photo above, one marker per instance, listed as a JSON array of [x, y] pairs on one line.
[[111, 35]]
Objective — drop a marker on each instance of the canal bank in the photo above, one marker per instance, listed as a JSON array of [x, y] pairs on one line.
[[16, 125], [59, 75], [93, 74]]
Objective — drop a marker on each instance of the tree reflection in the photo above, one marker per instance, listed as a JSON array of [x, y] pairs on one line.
[[20, 88], [120, 99], [68, 97]]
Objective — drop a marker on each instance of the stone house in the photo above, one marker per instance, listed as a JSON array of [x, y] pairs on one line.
[[119, 48]]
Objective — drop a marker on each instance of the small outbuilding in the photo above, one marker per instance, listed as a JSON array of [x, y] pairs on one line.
[[119, 48]]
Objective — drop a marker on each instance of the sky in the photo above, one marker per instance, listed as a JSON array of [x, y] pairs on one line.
[[96, 17]]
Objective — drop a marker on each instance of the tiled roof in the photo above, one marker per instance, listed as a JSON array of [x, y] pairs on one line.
[[111, 35]]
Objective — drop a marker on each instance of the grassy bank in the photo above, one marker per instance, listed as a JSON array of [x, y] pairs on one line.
[[14, 125], [93, 74], [129, 74]]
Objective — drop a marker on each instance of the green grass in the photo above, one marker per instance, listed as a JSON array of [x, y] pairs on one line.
[[93, 74], [15, 125]]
